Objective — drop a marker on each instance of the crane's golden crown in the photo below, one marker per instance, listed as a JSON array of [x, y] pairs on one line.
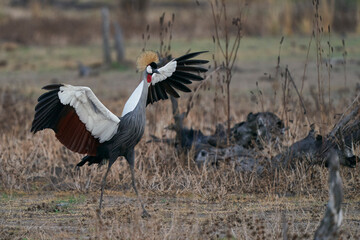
[[145, 59]]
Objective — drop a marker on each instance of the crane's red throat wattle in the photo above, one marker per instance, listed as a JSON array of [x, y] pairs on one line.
[[148, 78]]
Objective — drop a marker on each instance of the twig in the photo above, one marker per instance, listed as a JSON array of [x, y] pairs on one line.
[[198, 88], [344, 59], [220, 17], [216, 27], [307, 59], [298, 93]]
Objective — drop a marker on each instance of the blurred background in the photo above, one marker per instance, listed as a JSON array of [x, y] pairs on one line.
[[70, 31], [61, 22], [58, 23], [95, 43]]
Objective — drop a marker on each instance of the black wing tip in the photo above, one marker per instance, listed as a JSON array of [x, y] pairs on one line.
[[47, 109], [179, 77], [52, 86], [205, 61], [191, 69], [35, 129], [188, 75], [194, 54], [200, 52], [189, 55]]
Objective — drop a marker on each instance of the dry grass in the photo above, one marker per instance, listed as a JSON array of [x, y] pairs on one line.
[[186, 202], [37, 172]]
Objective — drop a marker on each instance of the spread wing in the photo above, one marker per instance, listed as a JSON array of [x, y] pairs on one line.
[[175, 75], [81, 122]]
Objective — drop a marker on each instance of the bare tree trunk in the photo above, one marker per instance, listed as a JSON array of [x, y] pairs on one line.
[[106, 34], [135, 12], [119, 43], [345, 18]]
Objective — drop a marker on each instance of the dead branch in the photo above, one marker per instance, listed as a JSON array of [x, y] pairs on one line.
[[330, 224], [196, 91], [346, 118], [230, 50], [298, 93]]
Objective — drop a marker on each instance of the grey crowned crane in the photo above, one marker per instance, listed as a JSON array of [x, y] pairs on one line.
[[84, 125]]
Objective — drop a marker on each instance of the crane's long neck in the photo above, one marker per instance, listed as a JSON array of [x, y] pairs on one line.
[[138, 97]]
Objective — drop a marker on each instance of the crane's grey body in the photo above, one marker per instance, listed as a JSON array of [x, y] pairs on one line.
[[131, 129]]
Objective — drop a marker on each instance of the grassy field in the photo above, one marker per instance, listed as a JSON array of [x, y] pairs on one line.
[[43, 196], [175, 216]]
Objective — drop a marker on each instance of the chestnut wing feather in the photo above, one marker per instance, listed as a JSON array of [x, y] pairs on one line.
[[77, 117], [99, 121], [72, 133]]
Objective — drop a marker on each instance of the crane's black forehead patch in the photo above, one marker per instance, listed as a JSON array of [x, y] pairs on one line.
[[153, 65]]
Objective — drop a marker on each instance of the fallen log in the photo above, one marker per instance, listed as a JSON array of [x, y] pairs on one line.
[[313, 149], [248, 138]]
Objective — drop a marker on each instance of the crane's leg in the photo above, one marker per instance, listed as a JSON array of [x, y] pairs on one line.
[[144, 213], [130, 158], [103, 183]]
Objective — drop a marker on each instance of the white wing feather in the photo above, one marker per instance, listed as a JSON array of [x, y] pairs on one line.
[[164, 72], [99, 121]]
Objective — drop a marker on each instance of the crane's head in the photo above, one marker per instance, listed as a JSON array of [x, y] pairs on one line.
[[147, 61], [150, 69]]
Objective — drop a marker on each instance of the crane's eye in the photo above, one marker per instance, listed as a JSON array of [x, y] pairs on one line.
[[149, 70]]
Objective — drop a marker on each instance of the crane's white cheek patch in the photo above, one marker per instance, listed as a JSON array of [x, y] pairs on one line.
[[149, 70]]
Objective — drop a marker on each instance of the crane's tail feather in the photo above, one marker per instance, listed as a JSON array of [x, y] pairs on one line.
[[90, 160]]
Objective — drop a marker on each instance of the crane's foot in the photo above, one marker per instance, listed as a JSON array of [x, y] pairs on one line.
[[98, 212], [145, 214]]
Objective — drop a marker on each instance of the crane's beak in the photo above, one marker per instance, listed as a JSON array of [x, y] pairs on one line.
[[155, 70]]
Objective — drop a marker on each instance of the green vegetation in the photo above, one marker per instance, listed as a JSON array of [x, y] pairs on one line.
[[44, 59], [72, 200]]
